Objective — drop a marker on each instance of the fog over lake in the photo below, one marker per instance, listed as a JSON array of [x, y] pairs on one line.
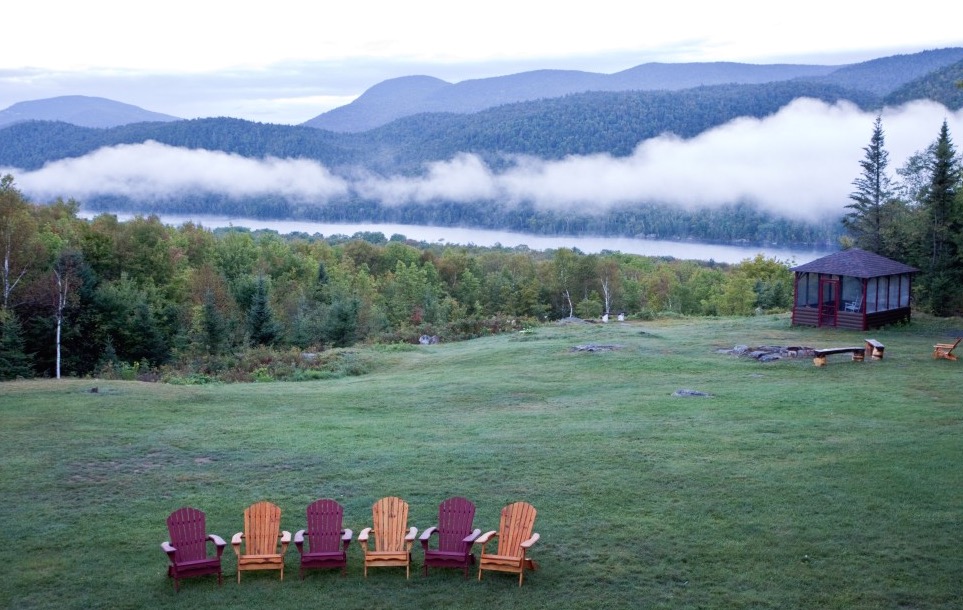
[[482, 237]]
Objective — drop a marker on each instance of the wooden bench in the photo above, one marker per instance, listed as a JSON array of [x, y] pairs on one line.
[[874, 349], [819, 355]]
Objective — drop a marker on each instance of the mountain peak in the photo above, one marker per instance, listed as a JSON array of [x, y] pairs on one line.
[[81, 110]]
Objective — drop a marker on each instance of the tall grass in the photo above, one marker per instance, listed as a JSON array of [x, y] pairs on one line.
[[792, 486]]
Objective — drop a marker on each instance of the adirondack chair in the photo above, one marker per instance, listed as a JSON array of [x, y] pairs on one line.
[[187, 548], [515, 537], [327, 540], [455, 536], [945, 350], [262, 529], [393, 537]]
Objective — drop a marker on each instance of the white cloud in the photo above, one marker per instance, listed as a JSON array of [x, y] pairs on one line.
[[151, 170]]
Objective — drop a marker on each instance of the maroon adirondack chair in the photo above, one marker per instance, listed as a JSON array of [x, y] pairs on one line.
[[327, 540], [455, 536], [187, 548]]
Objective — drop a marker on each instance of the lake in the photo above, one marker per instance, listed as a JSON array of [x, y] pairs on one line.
[[481, 237]]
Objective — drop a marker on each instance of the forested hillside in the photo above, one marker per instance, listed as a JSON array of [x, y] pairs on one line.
[[579, 124], [400, 97], [886, 74], [140, 295], [941, 86]]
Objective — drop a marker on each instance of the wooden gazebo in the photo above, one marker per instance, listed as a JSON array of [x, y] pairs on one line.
[[852, 289]]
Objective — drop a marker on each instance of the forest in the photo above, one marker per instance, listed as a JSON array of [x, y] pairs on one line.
[[101, 297]]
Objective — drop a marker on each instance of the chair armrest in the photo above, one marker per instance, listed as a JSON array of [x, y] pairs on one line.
[[236, 538], [486, 537], [170, 550], [299, 541], [346, 535], [363, 536], [470, 538], [285, 536], [218, 542], [425, 535], [412, 533], [528, 543]]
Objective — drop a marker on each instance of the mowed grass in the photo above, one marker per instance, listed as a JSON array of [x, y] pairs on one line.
[[791, 487]]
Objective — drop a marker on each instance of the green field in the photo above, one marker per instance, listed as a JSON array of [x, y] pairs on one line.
[[792, 486]]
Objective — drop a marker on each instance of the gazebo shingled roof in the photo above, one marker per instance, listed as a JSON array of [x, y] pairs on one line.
[[855, 263]]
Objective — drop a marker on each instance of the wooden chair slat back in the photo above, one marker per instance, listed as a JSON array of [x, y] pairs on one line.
[[390, 517], [262, 527], [455, 518], [188, 533], [325, 519], [515, 527]]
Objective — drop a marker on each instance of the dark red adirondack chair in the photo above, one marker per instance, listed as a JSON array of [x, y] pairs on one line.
[[455, 536], [327, 540], [187, 548]]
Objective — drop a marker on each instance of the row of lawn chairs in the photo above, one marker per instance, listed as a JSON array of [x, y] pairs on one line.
[[324, 543]]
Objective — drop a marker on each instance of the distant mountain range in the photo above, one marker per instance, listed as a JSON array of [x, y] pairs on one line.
[[399, 126], [80, 110], [410, 95]]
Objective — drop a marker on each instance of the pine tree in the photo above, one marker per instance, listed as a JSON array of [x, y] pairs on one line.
[[874, 193], [262, 328], [213, 324], [941, 262], [14, 362]]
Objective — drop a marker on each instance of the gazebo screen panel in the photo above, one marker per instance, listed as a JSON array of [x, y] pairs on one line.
[[807, 290], [852, 291]]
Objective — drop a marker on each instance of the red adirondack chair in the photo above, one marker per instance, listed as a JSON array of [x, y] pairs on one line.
[[327, 540], [187, 548], [455, 536]]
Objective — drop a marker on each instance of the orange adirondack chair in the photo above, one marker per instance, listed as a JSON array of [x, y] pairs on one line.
[[262, 529], [327, 540], [187, 548], [455, 536], [515, 537], [393, 537], [945, 350]]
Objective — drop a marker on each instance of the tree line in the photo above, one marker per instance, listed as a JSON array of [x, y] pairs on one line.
[[914, 216], [94, 296]]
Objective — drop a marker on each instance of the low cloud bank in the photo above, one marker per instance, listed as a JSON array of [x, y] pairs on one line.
[[799, 163]]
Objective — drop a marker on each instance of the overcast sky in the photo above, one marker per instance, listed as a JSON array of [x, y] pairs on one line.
[[287, 61]]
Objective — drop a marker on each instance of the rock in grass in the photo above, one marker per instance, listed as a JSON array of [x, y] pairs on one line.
[[686, 393]]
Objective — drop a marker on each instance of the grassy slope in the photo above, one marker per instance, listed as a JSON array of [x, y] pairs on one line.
[[792, 487]]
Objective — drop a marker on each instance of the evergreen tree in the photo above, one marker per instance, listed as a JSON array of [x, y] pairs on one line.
[[943, 278], [262, 328], [213, 325], [341, 325], [866, 222], [14, 362]]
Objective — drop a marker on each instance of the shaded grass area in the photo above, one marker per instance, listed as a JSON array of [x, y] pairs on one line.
[[791, 487]]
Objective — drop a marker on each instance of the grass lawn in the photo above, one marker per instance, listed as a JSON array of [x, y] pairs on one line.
[[792, 486]]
